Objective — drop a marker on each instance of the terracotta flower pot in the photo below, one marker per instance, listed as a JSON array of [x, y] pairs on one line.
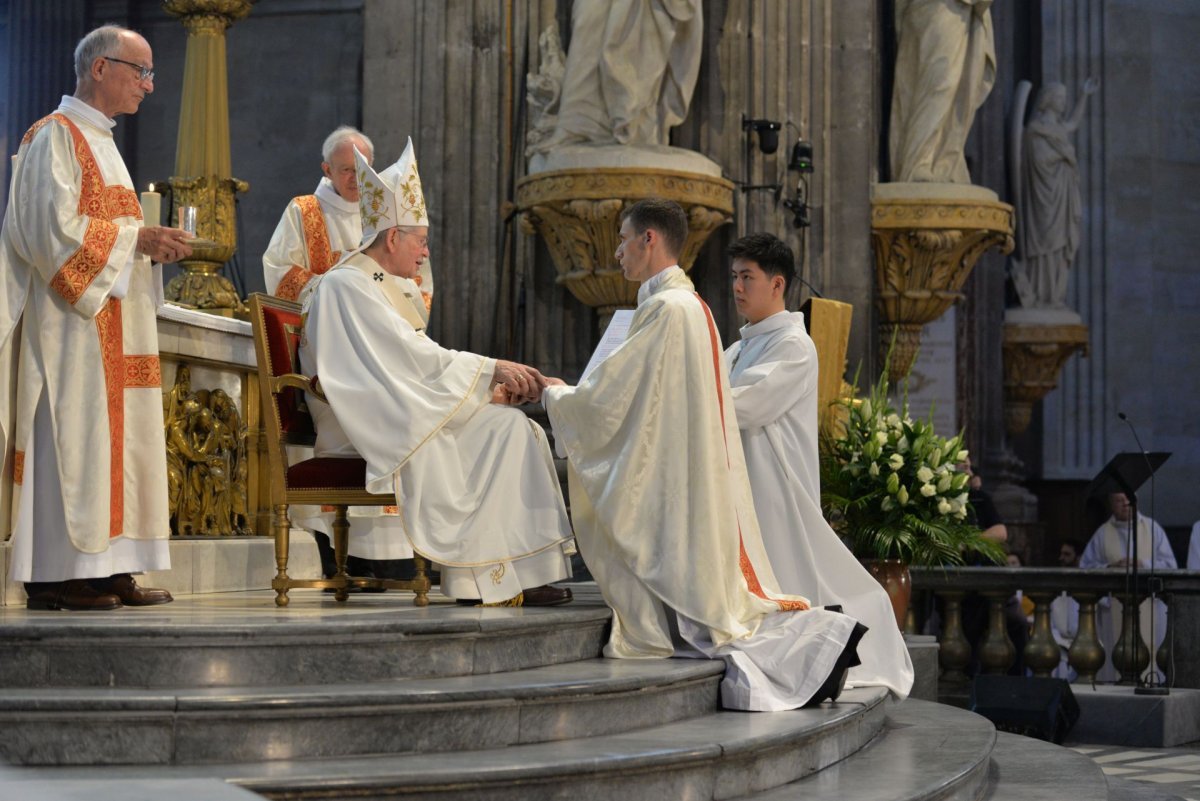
[[893, 575]]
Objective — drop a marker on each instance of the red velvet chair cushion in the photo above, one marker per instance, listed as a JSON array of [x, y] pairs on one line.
[[328, 473], [282, 329]]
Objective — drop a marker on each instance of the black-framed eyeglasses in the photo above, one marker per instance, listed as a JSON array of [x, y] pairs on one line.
[[144, 73]]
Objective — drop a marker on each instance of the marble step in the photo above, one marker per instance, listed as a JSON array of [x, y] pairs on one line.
[[719, 755], [242, 639], [925, 751], [98, 726], [1025, 769]]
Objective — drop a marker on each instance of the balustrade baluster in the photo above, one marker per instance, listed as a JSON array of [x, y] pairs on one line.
[[996, 652], [1130, 655], [1086, 655], [954, 652], [1163, 655], [1041, 652]]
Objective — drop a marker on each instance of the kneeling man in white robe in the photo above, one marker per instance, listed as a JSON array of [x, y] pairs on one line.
[[474, 482], [773, 374], [662, 504]]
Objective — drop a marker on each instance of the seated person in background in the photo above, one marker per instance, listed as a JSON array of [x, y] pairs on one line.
[[662, 503], [773, 379], [1112, 546], [1064, 613], [474, 481]]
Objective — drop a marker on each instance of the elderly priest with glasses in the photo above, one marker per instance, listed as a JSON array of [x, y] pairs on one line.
[[80, 384], [474, 481]]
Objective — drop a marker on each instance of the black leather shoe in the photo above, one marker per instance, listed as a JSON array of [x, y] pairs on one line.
[[836, 681], [548, 595], [76, 595]]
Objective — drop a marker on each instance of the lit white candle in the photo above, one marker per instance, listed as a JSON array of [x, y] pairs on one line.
[[151, 208]]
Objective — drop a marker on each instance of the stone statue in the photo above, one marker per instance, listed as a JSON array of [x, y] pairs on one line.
[[628, 78], [945, 68], [1049, 209], [545, 89]]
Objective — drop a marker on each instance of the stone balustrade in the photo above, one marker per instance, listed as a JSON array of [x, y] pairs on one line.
[[1179, 589]]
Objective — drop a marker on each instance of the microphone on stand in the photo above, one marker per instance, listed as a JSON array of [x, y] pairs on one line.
[[1153, 683]]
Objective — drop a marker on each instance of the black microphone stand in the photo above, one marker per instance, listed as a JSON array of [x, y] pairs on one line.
[[1151, 685]]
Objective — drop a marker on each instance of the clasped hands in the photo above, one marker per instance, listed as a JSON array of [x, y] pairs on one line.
[[514, 383], [164, 245]]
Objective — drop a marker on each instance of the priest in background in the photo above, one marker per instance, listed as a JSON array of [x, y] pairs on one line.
[[81, 426], [1111, 546], [317, 229], [311, 237], [661, 501], [773, 375], [474, 480]]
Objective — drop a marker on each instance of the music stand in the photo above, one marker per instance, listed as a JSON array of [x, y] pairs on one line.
[[1124, 474]]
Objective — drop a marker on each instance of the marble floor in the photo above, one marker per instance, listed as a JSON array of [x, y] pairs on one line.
[[1172, 771]]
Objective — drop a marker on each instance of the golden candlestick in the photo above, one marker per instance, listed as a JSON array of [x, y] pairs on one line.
[[202, 162]]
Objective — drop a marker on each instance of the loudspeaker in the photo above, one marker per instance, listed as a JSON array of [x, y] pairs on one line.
[[1041, 708]]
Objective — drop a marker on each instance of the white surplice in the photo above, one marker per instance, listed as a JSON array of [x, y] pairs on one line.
[[664, 516], [474, 482], [313, 234], [1109, 545], [81, 422], [773, 373]]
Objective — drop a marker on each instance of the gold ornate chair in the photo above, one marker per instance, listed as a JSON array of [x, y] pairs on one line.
[[335, 482]]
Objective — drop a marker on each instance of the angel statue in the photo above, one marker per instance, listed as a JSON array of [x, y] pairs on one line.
[[1045, 179]]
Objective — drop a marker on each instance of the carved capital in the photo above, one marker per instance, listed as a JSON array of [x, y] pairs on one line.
[[578, 211], [208, 17], [925, 250], [1033, 357]]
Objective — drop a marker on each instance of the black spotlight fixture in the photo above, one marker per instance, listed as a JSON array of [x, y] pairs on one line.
[[768, 133], [802, 157]]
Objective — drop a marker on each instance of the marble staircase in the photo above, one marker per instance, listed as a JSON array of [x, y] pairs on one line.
[[228, 697]]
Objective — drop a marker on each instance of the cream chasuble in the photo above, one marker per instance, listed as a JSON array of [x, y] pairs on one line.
[[314, 233], [774, 388], [1108, 546], [78, 335], [664, 515], [474, 482]]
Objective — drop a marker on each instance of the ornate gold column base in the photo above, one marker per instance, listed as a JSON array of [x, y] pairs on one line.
[[1033, 356], [925, 249], [578, 213], [201, 285]]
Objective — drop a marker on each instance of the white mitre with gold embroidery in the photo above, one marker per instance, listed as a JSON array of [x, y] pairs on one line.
[[390, 198]]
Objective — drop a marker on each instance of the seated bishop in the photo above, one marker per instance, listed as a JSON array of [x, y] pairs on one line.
[[773, 378], [662, 504], [311, 237], [474, 480]]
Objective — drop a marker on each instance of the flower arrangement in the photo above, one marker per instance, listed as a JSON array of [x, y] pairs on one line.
[[893, 489]]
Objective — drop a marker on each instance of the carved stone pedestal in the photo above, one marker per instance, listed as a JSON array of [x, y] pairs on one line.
[[577, 212], [1034, 353], [927, 238]]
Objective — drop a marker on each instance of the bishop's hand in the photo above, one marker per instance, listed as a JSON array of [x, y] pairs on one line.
[[522, 383]]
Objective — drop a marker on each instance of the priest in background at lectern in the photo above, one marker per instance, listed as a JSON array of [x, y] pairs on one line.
[[1110, 546]]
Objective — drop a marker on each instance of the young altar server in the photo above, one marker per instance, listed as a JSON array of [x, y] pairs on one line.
[[773, 374]]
